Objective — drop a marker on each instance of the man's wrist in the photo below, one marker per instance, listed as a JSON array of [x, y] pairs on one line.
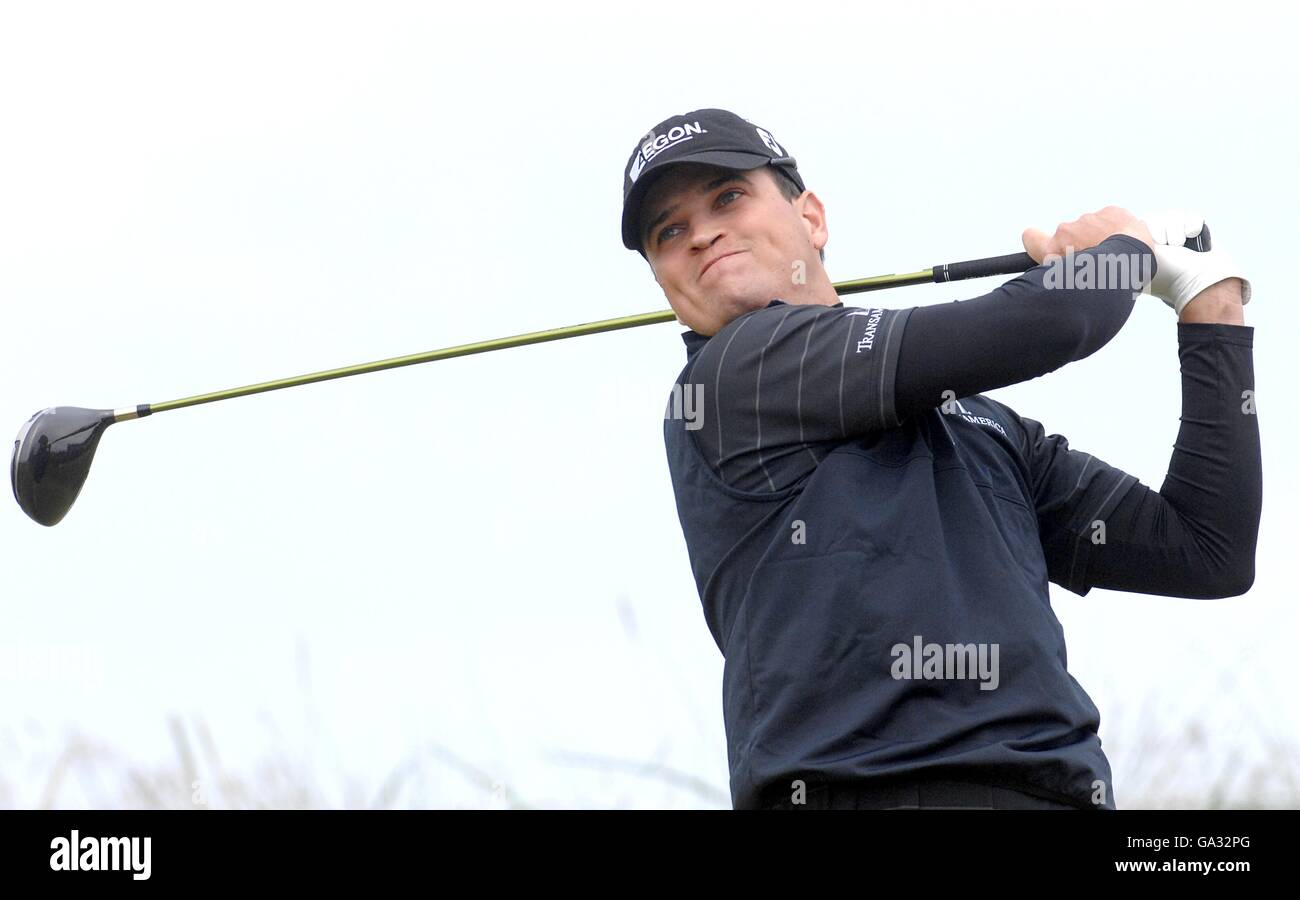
[[1219, 303]]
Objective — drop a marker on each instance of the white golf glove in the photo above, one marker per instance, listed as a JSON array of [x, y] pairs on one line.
[[1181, 273]]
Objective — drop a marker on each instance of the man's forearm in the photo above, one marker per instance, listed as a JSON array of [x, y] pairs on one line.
[[1197, 536], [1219, 304]]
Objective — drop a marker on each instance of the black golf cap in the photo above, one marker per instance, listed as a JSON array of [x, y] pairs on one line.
[[713, 136]]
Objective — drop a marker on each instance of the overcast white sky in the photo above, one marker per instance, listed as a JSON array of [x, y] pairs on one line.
[[481, 557]]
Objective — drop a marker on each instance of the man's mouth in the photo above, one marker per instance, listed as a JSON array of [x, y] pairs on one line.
[[710, 263]]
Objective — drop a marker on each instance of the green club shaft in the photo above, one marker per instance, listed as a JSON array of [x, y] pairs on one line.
[[519, 340], [536, 337]]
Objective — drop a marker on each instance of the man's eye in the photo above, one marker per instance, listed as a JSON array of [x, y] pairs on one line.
[[668, 232]]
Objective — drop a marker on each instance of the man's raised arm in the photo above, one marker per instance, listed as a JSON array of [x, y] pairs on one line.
[[1196, 537], [781, 385]]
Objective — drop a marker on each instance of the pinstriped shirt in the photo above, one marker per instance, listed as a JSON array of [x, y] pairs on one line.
[[825, 532]]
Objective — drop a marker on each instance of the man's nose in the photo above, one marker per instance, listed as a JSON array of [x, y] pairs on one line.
[[705, 231]]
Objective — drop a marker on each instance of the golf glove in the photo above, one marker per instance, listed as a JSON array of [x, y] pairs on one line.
[[1182, 273]]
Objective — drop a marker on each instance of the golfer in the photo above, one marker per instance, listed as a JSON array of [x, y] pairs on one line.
[[872, 537]]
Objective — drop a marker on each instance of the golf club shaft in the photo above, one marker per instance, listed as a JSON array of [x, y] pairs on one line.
[[958, 271]]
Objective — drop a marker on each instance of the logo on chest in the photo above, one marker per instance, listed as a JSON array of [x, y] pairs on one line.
[[952, 406]]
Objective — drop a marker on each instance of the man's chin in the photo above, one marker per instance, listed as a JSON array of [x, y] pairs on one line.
[[738, 304], [726, 306]]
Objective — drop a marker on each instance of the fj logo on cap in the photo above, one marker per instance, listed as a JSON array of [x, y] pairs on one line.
[[654, 145], [770, 141]]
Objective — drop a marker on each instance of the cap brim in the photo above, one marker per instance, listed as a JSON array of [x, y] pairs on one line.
[[728, 159]]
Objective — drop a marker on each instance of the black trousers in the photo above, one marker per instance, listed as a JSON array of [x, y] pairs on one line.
[[927, 794]]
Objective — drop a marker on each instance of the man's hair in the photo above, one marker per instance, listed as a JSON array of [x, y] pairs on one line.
[[790, 191]]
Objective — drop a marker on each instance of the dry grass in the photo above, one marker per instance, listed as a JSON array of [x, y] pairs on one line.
[[1162, 758], [1167, 773]]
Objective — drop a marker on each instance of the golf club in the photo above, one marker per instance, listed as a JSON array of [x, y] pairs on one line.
[[54, 448]]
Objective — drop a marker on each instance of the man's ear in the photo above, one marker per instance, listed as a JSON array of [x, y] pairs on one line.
[[813, 214]]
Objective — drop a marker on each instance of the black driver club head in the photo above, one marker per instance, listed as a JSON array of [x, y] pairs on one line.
[[52, 456]]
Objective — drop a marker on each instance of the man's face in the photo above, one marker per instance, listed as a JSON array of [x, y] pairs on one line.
[[722, 242]]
